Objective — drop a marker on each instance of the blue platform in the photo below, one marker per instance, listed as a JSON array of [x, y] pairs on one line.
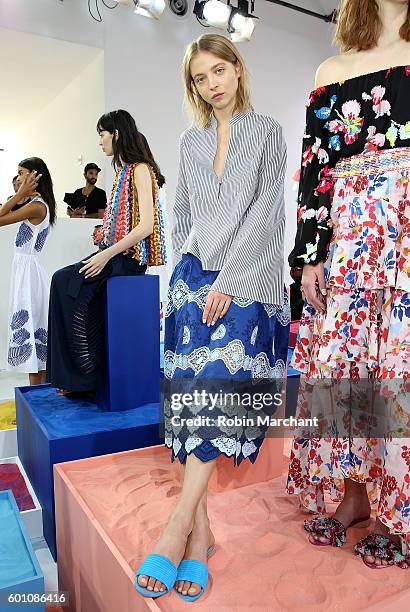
[[20, 573], [292, 388], [132, 328], [53, 429]]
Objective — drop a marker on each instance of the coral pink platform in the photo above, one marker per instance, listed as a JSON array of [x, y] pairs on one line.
[[110, 510]]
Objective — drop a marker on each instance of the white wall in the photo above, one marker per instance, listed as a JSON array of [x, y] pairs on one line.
[[65, 131], [142, 67], [62, 133]]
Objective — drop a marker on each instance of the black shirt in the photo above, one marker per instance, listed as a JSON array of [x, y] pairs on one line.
[[20, 204], [97, 200]]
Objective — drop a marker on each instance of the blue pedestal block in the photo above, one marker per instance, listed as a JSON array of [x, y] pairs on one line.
[[292, 388], [132, 343], [53, 429], [21, 578]]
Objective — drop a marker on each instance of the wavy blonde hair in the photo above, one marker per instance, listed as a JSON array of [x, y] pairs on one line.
[[223, 48], [359, 25]]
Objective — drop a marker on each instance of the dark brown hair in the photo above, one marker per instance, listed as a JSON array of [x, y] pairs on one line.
[[45, 183]]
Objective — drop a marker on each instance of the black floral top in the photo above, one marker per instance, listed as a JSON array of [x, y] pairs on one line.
[[365, 113]]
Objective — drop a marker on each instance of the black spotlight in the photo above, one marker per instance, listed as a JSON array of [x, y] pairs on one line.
[[179, 7]]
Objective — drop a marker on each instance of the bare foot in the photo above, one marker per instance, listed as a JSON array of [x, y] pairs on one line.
[[200, 540], [383, 530], [171, 545], [350, 509]]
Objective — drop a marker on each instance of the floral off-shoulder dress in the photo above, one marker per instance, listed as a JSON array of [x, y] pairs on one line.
[[353, 215]]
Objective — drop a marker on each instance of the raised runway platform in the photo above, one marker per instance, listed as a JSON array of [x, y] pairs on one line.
[[21, 579], [110, 511], [53, 429]]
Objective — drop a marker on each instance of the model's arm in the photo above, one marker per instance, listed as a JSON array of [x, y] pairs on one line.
[[27, 188], [34, 212], [143, 184], [313, 230], [265, 219], [182, 221]]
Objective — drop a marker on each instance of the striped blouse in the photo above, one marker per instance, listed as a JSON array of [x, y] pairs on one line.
[[234, 225]]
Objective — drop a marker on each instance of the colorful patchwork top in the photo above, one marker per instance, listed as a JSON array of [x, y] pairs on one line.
[[362, 114], [122, 215]]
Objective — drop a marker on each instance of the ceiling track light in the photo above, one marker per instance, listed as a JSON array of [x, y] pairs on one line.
[[238, 20], [152, 9], [147, 8]]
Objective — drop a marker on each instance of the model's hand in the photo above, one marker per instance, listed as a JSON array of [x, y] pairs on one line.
[[28, 185], [95, 264], [314, 286], [216, 307]]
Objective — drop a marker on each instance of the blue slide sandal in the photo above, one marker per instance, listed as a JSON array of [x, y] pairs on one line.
[[196, 572], [161, 569]]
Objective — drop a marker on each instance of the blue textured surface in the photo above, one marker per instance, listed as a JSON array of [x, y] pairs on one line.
[[19, 569], [53, 429], [132, 322], [292, 388], [291, 371], [62, 417]]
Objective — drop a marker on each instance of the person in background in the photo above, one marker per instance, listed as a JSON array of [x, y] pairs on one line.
[[88, 201], [16, 188], [30, 285]]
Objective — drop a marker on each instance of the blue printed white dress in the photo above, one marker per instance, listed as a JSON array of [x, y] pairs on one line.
[[29, 295]]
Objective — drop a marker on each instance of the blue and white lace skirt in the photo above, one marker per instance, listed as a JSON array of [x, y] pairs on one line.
[[244, 352]]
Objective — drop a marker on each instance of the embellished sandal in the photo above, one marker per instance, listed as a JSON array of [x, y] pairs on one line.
[[158, 567], [378, 545], [331, 529], [196, 572]]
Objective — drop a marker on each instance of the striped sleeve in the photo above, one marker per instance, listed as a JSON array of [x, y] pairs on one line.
[[249, 260], [182, 211]]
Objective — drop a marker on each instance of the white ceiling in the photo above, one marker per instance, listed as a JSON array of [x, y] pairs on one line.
[[34, 70]]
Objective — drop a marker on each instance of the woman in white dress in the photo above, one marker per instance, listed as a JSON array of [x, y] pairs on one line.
[[30, 284]]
